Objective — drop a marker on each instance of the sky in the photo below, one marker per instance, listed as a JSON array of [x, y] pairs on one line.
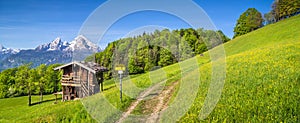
[[25, 24]]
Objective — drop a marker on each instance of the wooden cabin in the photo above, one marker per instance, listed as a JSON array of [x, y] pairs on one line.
[[81, 79]]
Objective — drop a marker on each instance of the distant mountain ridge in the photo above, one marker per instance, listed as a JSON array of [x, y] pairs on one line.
[[4, 50], [57, 51], [56, 44], [79, 43]]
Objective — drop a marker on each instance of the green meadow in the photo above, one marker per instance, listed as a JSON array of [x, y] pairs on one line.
[[262, 84]]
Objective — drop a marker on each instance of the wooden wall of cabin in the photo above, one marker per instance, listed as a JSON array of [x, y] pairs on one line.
[[92, 84], [72, 71], [68, 71], [85, 77], [96, 85], [75, 70], [83, 73], [89, 78]]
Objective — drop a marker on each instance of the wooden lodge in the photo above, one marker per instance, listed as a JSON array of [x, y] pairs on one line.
[[81, 79]]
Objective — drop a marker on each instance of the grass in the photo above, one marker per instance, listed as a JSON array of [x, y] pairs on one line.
[[262, 81], [17, 110], [262, 84], [283, 32]]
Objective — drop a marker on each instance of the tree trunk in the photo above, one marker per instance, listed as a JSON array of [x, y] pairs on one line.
[[41, 93], [41, 96], [101, 86], [29, 96]]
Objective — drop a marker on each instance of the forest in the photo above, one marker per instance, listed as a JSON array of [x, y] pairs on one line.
[[151, 51], [25, 80]]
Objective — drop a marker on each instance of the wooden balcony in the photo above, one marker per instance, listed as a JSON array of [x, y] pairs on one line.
[[70, 80]]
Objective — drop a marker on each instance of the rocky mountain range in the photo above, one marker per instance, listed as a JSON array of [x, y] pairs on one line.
[[57, 51], [5, 52]]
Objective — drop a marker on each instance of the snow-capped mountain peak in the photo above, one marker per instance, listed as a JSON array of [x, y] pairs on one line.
[[82, 43], [56, 51], [2, 47], [4, 50], [65, 43], [56, 44]]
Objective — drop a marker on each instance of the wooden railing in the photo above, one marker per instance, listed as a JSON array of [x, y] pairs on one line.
[[70, 80]]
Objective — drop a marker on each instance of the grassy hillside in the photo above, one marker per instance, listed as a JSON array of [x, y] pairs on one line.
[[283, 32], [262, 84], [263, 78], [262, 81]]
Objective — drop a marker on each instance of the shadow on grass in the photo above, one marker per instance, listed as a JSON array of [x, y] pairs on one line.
[[105, 89], [40, 102]]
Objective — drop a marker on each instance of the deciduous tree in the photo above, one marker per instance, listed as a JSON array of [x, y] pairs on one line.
[[250, 20], [23, 83], [282, 9]]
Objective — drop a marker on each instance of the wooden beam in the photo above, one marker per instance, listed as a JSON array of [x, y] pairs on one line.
[[71, 84], [63, 93], [88, 83]]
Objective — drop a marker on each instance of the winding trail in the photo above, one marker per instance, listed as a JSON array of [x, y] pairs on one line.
[[163, 99]]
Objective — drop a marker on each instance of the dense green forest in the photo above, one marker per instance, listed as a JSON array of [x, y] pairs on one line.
[[150, 51], [23, 80]]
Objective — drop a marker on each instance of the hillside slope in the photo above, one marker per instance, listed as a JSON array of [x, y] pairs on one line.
[[262, 84], [261, 73], [263, 78], [283, 32]]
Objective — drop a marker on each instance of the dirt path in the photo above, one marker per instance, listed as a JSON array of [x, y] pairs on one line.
[[162, 98], [139, 99], [163, 101]]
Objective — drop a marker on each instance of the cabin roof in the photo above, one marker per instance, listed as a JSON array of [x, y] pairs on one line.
[[90, 66]]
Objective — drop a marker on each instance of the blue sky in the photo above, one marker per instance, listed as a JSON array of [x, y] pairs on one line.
[[27, 23]]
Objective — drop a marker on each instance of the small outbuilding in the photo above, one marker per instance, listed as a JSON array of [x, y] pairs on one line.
[[81, 79]]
